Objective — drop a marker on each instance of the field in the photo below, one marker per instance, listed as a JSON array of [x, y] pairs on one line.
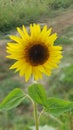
[[59, 15]]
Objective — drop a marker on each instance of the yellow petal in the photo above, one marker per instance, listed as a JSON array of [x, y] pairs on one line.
[[21, 32], [49, 31], [28, 72], [47, 72], [51, 64], [15, 56], [37, 74], [17, 39], [55, 48], [44, 29], [44, 69], [52, 38], [35, 31], [17, 64], [41, 68], [25, 31], [44, 35]]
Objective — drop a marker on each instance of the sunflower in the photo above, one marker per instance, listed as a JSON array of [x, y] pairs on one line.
[[34, 52]]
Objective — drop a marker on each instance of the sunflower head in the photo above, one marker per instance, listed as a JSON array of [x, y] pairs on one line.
[[34, 52]]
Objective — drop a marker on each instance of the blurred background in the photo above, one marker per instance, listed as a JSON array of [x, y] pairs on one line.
[[57, 14]]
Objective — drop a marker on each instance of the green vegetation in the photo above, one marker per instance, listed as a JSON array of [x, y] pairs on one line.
[[7, 85], [56, 4], [13, 13], [63, 41]]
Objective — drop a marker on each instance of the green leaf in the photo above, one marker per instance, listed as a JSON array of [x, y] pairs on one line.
[[37, 93], [57, 106], [12, 100]]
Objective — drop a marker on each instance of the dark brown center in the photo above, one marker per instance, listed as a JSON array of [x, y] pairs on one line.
[[37, 54]]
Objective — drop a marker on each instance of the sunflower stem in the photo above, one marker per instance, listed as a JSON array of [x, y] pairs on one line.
[[36, 116]]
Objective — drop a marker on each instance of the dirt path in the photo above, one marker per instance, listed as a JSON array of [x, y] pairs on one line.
[[61, 22]]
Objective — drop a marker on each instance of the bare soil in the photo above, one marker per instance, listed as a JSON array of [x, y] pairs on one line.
[[61, 22]]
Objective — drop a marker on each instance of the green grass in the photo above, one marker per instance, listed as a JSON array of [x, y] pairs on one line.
[[63, 41], [7, 85], [66, 79], [13, 13], [62, 82], [3, 72]]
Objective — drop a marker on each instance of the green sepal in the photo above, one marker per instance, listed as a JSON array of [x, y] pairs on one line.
[[12, 100], [37, 93]]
